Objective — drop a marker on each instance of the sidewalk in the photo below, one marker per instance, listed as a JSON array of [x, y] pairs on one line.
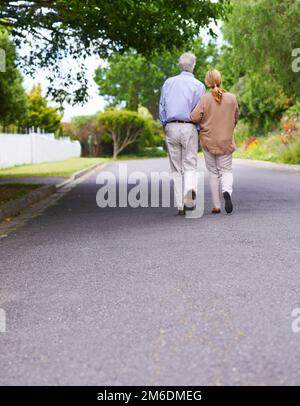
[[49, 185], [36, 180]]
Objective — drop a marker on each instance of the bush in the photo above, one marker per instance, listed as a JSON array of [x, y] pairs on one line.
[[291, 154], [262, 101], [242, 132], [272, 149], [154, 153], [292, 112]]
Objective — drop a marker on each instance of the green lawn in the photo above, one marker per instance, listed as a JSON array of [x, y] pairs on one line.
[[62, 168], [12, 191]]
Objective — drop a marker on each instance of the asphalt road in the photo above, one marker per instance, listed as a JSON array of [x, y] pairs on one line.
[[124, 296]]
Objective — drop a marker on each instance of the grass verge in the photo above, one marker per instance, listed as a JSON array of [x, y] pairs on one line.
[[62, 168], [271, 149]]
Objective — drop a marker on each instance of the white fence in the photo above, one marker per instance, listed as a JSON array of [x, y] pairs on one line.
[[18, 149]]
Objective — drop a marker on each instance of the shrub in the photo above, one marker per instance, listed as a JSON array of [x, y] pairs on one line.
[[261, 101], [292, 112], [242, 132], [291, 154], [290, 124]]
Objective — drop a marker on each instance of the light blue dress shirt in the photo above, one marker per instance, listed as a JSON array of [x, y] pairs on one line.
[[179, 96]]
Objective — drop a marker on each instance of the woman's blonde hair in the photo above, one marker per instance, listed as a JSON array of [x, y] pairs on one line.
[[213, 79]]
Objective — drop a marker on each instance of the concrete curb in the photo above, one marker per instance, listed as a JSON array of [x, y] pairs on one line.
[[13, 208], [80, 173], [267, 164]]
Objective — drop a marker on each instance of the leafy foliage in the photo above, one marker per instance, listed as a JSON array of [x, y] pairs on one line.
[[40, 115], [291, 154], [12, 95], [89, 133], [256, 61], [242, 132], [60, 28], [263, 35], [133, 80], [261, 100]]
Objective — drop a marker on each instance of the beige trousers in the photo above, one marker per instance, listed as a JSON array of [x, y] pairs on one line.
[[182, 145], [220, 175]]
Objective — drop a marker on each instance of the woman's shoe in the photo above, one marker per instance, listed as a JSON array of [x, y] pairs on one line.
[[228, 202], [216, 211]]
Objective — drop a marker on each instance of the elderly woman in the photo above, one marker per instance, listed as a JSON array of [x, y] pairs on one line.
[[217, 112]]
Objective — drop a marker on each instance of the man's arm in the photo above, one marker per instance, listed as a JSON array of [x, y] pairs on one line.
[[162, 107], [197, 98], [202, 90], [199, 93]]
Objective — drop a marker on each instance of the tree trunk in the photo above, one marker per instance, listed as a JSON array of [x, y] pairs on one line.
[[115, 151]]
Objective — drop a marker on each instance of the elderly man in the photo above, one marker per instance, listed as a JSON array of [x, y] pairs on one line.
[[179, 95]]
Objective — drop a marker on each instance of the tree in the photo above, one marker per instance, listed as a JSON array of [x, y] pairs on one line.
[[133, 80], [78, 28], [263, 35], [12, 95], [262, 101], [124, 127], [89, 133], [256, 61], [231, 72], [207, 57], [40, 115]]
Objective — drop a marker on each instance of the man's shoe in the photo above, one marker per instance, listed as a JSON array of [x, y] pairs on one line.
[[181, 212], [190, 200], [228, 203], [216, 211]]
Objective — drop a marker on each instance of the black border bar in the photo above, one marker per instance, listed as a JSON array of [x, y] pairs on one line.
[[134, 394]]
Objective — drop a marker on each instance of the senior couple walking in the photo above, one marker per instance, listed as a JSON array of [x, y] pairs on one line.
[[187, 111]]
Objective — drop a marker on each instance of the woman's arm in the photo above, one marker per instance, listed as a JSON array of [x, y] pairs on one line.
[[237, 114], [198, 112]]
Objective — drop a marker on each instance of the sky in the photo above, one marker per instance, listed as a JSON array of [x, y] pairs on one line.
[[96, 103]]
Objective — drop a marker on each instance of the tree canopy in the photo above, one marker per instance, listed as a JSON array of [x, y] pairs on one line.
[[40, 115], [135, 80], [12, 95], [263, 35], [256, 61], [58, 28]]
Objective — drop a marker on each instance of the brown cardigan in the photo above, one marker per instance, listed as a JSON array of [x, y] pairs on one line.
[[217, 123]]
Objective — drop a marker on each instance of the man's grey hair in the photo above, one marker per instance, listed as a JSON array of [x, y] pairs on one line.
[[187, 62]]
